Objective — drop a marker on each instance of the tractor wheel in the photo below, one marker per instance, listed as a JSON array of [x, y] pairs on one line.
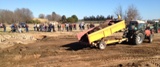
[[102, 45], [139, 39], [150, 38]]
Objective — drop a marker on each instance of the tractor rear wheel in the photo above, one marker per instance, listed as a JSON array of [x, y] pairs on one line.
[[102, 45], [139, 39]]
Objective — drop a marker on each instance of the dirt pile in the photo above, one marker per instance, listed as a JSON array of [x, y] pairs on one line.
[[10, 39], [7, 40]]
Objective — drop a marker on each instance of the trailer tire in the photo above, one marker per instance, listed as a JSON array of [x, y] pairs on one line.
[[150, 38], [102, 45], [139, 39]]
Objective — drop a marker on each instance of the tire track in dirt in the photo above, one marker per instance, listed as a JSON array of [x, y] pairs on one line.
[[106, 59]]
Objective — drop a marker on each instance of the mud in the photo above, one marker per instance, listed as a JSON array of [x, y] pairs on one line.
[[66, 51]]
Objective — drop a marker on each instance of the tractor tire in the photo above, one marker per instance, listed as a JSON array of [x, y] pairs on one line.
[[150, 38], [138, 39], [102, 45]]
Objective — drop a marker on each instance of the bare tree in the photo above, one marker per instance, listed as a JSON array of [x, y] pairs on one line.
[[42, 16], [23, 15], [132, 13], [49, 17], [55, 17], [58, 17], [119, 11], [6, 16]]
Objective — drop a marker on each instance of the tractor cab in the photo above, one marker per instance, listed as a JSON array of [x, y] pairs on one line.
[[136, 25]]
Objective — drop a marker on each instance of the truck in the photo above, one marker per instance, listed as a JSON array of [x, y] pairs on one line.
[[135, 32]]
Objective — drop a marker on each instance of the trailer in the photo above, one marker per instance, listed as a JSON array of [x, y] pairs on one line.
[[135, 33], [98, 38]]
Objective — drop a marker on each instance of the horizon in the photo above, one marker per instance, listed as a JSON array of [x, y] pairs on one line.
[[82, 8]]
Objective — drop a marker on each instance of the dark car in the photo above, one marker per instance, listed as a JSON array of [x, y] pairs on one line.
[[22, 24]]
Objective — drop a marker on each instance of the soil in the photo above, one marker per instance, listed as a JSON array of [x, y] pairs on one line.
[[65, 51]]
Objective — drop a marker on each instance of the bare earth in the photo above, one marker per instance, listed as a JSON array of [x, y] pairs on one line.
[[64, 50]]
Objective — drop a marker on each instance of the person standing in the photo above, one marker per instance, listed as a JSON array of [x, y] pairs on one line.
[[74, 25], [53, 27], [70, 27], [63, 26], [49, 27], [59, 27], [20, 28], [38, 26], [4, 27], [35, 26], [82, 26], [67, 27], [88, 26], [26, 26]]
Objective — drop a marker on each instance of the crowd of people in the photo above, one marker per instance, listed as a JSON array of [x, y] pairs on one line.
[[18, 27], [51, 27], [47, 27]]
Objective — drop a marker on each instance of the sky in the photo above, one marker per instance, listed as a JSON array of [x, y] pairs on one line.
[[148, 9]]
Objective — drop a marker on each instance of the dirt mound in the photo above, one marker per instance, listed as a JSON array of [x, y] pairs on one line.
[[7, 40]]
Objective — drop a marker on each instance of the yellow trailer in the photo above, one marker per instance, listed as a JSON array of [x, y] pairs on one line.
[[99, 37]]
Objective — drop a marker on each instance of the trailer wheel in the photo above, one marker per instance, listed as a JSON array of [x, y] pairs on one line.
[[139, 39], [102, 45], [150, 38]]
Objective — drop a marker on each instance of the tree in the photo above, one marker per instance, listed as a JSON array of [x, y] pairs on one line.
[[92, 18], [42, 16], [119, 11], [55, 17], [23, 14], [108, 17], [49, 17], [98, 17], [101, 17], [63, 19], [75, 18], [71, 19], [6, 16], [85, 18], [132, 13], [58, 17]]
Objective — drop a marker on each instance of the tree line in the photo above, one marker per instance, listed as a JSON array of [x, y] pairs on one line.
[[26, 15], [97, 18], [18, 15], [56, 17]]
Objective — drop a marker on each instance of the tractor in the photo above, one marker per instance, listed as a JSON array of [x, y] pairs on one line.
[[156, 25], [137, 31]]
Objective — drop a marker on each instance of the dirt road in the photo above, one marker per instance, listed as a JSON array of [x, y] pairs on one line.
[[65, 51]]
